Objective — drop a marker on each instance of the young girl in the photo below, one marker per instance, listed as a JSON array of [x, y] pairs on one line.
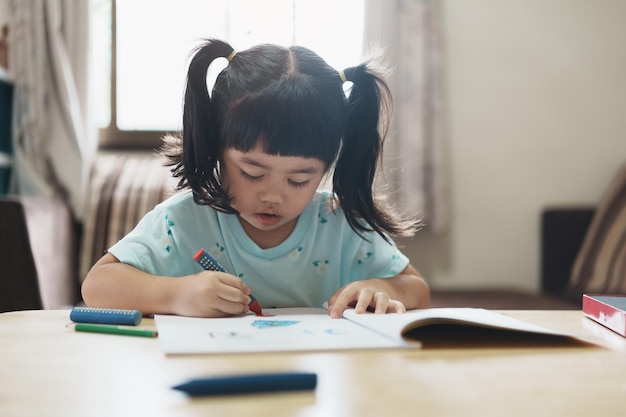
[[254, 151]]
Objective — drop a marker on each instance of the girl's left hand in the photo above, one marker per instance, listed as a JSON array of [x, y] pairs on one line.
[[362, 295]]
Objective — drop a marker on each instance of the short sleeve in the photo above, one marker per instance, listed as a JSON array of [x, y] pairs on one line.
[[151, 246], [375, 258]]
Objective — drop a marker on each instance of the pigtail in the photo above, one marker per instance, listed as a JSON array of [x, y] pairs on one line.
[[195, 162], [368, 115]]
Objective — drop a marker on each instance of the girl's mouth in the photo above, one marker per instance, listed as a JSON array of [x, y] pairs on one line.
[[267, 219]]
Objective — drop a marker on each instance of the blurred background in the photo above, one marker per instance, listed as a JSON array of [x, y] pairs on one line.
[[522, 105]]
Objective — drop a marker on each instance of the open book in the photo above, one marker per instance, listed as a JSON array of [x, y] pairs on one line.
[[310, 329]]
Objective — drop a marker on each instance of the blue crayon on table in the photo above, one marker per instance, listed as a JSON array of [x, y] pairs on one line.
[[105, 316], [210, 264], [251, 383]]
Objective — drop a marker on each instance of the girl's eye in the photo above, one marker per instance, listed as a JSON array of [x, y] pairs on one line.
[[298, 184], [250, 177]]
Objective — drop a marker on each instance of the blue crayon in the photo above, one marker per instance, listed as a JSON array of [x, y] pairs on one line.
[[249, 383]]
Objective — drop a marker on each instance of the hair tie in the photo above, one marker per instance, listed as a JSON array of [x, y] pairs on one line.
[[231, 56], [342, 75]]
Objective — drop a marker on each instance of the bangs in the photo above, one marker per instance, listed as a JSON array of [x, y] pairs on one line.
[[289, 118]]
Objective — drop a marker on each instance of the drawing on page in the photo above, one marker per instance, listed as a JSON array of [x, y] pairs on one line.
[[229, 335], [267, 324], [322, 332]]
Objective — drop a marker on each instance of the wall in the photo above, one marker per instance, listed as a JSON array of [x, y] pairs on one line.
[[536, 117]]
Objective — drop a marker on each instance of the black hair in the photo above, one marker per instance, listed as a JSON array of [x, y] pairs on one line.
[[293, 102]]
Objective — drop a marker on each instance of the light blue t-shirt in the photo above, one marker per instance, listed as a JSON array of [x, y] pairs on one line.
[[320, 256]]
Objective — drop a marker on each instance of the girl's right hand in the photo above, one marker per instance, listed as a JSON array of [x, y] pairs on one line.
[[210, 294]]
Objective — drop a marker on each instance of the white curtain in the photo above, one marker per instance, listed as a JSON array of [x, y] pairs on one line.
[[409, 33], [53, 139]]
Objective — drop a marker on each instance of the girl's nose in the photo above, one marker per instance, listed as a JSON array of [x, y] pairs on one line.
[[271, 195]]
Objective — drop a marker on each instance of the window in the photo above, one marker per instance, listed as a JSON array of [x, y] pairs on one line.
[[141, 51]]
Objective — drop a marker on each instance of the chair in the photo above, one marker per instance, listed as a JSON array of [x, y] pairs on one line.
[[37, 254]]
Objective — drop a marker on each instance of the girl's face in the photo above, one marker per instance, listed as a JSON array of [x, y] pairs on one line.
[[269, 191]]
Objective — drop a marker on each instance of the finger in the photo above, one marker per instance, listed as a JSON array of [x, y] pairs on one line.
[[396, 307], [341, 300], [221, 281], [232, 294], [233, 281], [381, 301], [231, 300], [336, 310], [364, 300], [230, 308]]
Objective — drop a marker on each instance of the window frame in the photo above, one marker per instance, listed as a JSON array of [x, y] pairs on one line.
[[112, 137]]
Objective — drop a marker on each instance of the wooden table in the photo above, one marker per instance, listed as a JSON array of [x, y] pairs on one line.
[[47, 369]]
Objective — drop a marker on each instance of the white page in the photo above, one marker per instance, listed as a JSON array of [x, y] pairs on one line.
[[393, 325], [279, 330]]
